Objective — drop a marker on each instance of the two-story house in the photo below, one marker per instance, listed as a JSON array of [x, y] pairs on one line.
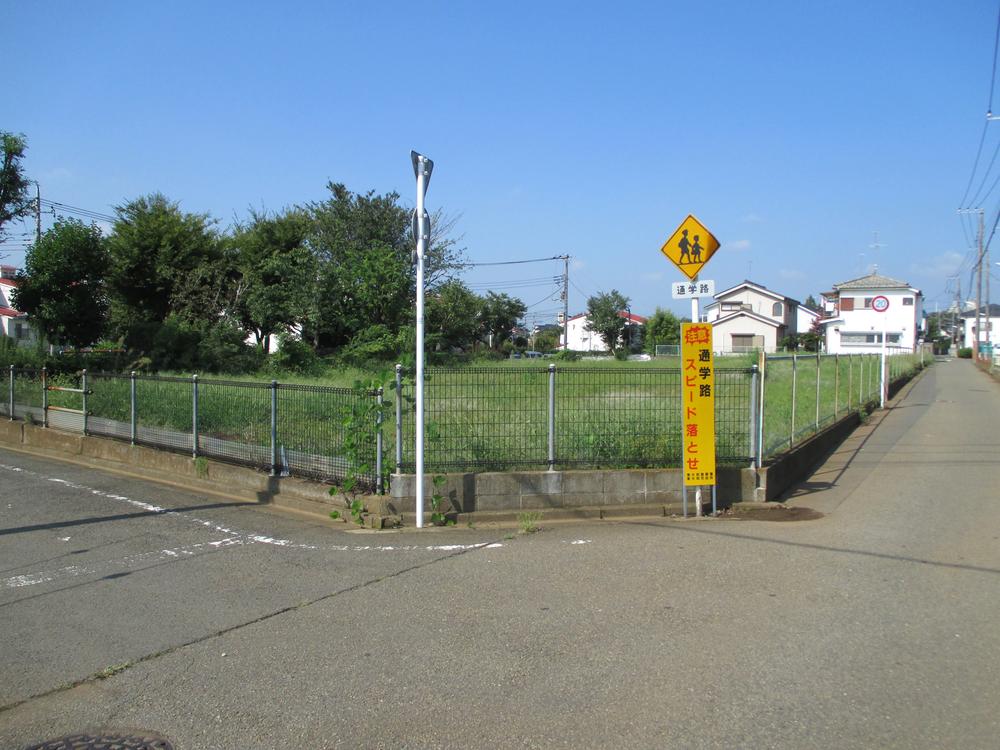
[[989, 323], [579, 339], [854, 326], [750, 316]]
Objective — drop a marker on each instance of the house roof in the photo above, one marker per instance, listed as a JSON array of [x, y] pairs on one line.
[[759, 287], [747, 314], [630, 317], [10, 312], [8, 282], [994, 312], [872, 281]]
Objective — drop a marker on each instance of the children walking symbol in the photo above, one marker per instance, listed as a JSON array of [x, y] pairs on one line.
[[696, 250], [685, 247]]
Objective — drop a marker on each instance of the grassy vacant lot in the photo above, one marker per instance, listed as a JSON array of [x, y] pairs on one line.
[[607, 413]]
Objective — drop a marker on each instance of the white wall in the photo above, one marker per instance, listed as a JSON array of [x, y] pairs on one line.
[[900, 319], [993, 332], [722, 333], [579, 339]]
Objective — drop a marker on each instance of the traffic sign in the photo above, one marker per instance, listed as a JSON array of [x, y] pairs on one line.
[[880, 303], [688, 289], [690, 247]]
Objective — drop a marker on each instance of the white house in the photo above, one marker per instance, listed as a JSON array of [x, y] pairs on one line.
[[989, 323], [13, 323], [750, 316], [854, 325], [579, 339]]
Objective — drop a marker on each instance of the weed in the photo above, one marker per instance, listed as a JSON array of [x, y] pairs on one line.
[[112, 671], [335, 514], [437, 517], [529, 521], [201, 467]]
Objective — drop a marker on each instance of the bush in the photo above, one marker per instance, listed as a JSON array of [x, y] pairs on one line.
[[376, 343], [568, 355], [965, 352], [294, 355]]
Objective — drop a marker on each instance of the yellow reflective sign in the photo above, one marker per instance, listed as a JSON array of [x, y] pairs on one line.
[[690, 247], [698, 404]]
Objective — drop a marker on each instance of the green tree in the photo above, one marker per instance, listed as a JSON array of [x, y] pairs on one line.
[[548, 339], [361, 245], [452, 316], [604, 317], [663, 327], [811, 303], [62, 285], [14, 200], [274, 274], [498, 316], [162, 262]]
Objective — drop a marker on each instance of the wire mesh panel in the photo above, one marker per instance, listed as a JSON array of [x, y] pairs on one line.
[[777, 405], [323, 432], [482, 418], [805, 398], [27, 395], [164, 412], [733, 440], [618, 417], [108, 405], [234, 421]]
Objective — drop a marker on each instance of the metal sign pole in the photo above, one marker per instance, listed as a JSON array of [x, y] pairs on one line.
[[422, 167], [694, 319]]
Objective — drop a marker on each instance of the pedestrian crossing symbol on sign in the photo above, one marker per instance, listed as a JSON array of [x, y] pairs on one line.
[[690, 247]]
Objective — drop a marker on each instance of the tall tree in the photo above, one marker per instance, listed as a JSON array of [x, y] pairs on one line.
[[663, 327], [14, 200], [163, 261], [811, 303], [452, 316], [498, 316], [604, 317], [62, 284], [274, 275], [361, 245]]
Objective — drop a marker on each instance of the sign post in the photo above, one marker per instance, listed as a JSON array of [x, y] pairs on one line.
[[422, 168], [880, 304], [698, 404], [689, 248]]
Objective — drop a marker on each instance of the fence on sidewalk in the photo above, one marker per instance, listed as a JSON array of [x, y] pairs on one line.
[[477, 418], [312, 431]]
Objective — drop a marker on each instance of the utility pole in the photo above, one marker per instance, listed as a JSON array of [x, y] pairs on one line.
[[565, 301], [979, 278], [38, 213]]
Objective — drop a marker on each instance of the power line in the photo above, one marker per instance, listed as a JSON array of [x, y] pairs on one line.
[[511, 262], [84, 212]]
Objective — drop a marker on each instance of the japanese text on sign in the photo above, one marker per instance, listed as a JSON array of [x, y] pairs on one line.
[[689, 289], [698, 403]]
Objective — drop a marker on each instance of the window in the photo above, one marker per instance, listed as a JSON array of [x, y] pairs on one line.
[[867, 338], [868, 302], [908, 301], [847, 304], [776, 309], [731, 306]]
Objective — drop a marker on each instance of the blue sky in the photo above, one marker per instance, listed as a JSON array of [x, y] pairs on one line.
[[794, 131]]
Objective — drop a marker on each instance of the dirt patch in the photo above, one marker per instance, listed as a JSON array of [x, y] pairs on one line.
[[770, 512]]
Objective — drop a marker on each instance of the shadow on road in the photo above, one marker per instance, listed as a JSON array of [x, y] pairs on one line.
[[118, 517]]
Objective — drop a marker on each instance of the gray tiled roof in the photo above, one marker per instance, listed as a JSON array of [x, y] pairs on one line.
[[873, 281]]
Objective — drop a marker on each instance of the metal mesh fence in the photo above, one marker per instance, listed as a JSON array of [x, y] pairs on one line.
[[313, 431], [491, 419]]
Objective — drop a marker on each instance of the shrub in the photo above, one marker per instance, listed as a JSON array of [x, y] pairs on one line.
[[965, 352]]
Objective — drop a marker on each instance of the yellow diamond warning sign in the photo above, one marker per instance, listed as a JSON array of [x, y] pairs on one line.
[[690, 247]]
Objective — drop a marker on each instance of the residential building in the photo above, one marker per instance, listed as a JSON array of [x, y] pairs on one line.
[[13, 323], [854, 325], [989, 320], [749, 316], [579, 339]]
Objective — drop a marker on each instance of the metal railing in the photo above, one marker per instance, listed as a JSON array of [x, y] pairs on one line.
[[320, 432], [477, 418], [497, 418]]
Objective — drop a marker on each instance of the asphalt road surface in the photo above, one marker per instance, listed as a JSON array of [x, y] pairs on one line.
[[231, 626]]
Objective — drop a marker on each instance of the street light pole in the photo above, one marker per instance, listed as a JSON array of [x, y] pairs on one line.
[[422, 168]]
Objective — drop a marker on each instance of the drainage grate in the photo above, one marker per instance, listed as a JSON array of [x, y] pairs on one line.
[[104, 742]]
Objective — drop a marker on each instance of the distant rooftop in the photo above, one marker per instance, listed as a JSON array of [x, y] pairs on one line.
[[872, 281]]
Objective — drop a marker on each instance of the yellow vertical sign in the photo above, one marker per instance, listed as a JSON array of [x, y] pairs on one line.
[[698, 404]]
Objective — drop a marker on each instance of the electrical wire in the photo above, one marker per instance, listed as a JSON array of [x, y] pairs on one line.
[[512, 262]]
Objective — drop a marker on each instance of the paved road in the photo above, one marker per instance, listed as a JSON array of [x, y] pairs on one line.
[[874, 626]]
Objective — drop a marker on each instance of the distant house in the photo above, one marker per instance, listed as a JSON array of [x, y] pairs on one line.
[[579, 339], [853, 325], [749, 316], [14, 323], [989, 320]]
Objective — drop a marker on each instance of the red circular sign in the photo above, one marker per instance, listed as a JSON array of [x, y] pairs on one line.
[[880, 303]]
